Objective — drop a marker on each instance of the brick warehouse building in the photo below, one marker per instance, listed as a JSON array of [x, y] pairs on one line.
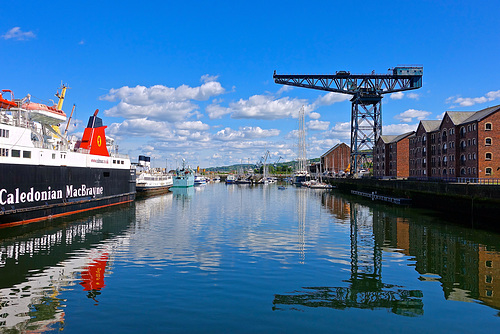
[[391, 156], [336, 159], [462, 144], [420, 148]]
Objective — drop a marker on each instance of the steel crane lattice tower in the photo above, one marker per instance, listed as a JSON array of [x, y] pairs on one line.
[[366, 91]]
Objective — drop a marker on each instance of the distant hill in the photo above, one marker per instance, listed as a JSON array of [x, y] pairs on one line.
[[281, 166]]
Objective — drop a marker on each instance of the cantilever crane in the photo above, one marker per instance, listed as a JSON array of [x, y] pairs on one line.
[[366, 91]]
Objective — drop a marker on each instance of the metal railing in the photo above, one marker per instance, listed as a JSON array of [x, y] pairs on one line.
[[461, 180]]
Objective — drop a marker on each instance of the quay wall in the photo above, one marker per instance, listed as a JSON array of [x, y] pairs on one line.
[[465, 204]]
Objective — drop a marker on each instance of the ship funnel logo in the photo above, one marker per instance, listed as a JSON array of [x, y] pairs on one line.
[[99, 141]]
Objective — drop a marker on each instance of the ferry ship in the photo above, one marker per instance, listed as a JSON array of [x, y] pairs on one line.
[[46, 174]]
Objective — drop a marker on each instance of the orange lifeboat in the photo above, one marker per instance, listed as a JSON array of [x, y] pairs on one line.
[[45, 114], [6, 104]]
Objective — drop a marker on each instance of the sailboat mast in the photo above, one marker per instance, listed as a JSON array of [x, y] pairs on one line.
[[302, 141]]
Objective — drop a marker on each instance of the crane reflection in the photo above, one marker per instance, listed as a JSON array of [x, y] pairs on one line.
[[365, 287]]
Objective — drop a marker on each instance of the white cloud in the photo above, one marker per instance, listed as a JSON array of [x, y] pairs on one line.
[[197, 125], [441, 116], [266, 107], [314, 115], [167, 111], [397, 95], [19, 35], [470, 101], [340, 131], [318, 125], [140, 95], [159, 102], [294, 134], [319, 146], [215, 111], [413, 96], [284, 89], [208, 78], [141, 128], [190, 131], [398, 129], [331, 98], [410, 114], [245, 133], [148, 148]]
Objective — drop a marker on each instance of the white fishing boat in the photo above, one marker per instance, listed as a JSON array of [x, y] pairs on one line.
[[320, 185], [231, 178], [200, 180]]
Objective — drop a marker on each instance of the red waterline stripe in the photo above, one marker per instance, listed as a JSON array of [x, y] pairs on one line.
[[24, 222]]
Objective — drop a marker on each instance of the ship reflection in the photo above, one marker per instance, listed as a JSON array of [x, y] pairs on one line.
[[182, 193], [38, 265], [366, 289], [93, 276]]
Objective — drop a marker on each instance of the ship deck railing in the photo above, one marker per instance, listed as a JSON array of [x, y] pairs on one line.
[[15, 117]]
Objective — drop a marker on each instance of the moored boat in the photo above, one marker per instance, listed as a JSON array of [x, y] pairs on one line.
[[200, 180], [231, 179], [45, 174], [320, 185], [184, 177], [152, 183], [299, 177]]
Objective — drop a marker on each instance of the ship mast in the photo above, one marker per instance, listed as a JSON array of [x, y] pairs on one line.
[[61, 97], [302, 141]]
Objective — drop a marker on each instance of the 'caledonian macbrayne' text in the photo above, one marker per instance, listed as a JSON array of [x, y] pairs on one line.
[[32, 195]]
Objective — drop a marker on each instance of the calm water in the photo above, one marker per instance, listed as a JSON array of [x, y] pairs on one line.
[[241, 259]]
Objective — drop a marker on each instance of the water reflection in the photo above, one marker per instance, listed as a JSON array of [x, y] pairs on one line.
[[169, 257], [92, 275], [366, 289], [185, 193], [466, 262], [37, 265]]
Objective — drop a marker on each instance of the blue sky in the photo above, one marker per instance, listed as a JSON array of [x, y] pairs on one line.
[[193, 79]]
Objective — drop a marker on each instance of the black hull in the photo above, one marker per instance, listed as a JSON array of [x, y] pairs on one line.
[[152, 191], [32, 193], [299, 179]]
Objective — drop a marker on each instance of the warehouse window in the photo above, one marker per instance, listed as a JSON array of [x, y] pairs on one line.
[[488, 156], [488, 171], [488, 126], [487, 141]]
